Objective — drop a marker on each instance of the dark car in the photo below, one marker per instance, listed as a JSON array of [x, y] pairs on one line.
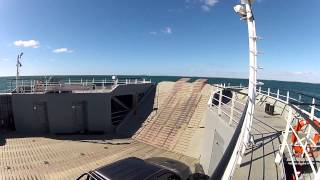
[[133, 168]]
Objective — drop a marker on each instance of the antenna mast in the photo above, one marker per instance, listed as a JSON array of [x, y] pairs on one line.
[[18, 70]]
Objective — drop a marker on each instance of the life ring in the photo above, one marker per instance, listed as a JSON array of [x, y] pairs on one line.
[[297, 149]]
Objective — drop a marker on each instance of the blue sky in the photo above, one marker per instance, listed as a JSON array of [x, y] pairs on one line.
[[153, 37]]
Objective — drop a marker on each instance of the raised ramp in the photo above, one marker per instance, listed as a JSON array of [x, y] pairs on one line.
[[165, 128], [191, 139]]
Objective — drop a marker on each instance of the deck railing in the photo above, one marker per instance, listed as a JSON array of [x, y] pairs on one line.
[[298, 111], [232, 107], [302, 112], [233, 153], [85, 85], [300, 142]]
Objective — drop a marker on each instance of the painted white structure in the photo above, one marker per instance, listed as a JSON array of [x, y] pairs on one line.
[[244, 10]]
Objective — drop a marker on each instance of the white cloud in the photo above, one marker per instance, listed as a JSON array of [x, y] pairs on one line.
[[153, 33], [4, 60], [167, 30], [205, 8], [62, 50], [27, 43], [206, 5], [210, 2]]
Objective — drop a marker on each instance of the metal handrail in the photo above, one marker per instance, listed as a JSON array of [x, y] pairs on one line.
[[223, 163], [29, 86]]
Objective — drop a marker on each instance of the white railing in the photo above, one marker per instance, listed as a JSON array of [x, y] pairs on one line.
[[305, 144], [298, 110], [36, 86], [301, 147], [234, 151], [233, 109]]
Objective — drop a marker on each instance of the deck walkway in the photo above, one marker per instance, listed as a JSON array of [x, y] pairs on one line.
[[258, 162]]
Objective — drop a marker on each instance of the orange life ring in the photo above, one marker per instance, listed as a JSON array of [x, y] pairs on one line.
[[297, 149]]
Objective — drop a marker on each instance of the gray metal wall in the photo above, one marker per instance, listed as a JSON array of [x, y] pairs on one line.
[[28, 111], [217, 136]]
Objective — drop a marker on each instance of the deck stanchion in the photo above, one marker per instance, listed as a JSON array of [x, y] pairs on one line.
[[260, 90], [278, 93], [220, 101], [285, 137], [268, 92], [299, 100], [69, 81], [232, 108], [311, 117], [288, 97]]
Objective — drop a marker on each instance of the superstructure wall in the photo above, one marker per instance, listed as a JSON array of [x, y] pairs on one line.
[[69, 112]]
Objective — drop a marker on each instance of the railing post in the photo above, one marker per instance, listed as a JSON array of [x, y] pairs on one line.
[[34, 85], [260, 90], [313, 107], [59, 87], [299, 100], [311, 117], [232, 109], [220, 102], [144, 80], [278, 93], [103, 84], [81, 81], [136, 81], [92, 80], [46, 88], [69, 81], [268, 91], [285, 137], [288, 97]]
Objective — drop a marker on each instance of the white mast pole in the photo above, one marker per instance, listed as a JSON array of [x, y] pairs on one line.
[[245, 12], [252, 72]]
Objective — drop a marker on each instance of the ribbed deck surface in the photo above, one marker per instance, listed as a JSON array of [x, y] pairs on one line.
[[171, 120], [56, 158], [174, 130]]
